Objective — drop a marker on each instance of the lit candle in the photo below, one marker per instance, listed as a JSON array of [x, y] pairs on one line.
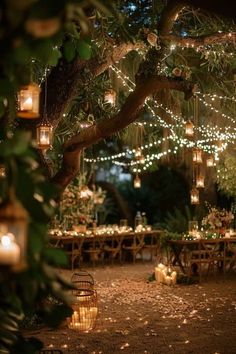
[[168, 280], [27, 105], [9, 250], [174, 277], [44, 138]]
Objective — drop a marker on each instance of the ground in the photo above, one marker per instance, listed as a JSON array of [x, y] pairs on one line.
[[137, 316]]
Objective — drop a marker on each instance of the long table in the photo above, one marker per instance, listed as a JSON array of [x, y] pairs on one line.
[[220, 250], [114, 245]]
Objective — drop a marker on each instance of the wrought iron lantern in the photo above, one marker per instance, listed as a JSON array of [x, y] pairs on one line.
[[85, 310], [210, 161], [189, 129], [13, 234], [110, 97], [137, 182], [197, 156], [194, 196], [28, 101], [44, 135], [200, 181]]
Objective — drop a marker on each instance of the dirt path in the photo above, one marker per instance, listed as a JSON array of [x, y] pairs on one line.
[[140, 317]]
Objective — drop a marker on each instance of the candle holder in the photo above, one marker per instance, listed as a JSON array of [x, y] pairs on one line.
[[85, 310], [44, 135], [28, 101], [197, 156], [210, 161], [194, 196], [200, 181], [189, 129], [13, 232], [82, 280], [110, 97]]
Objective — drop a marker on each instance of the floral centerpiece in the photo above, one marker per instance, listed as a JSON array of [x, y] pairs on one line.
[[217, 219]]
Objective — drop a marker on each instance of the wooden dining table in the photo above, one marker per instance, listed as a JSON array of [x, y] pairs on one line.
[[222, 249], [82, 244]]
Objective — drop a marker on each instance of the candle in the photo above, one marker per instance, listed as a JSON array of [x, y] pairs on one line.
[[44, 138], [168, 280], [9, 250], [27, 105], [174, 277], [158, 275]]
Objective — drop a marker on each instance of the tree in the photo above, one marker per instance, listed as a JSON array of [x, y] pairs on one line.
[[73, 44]]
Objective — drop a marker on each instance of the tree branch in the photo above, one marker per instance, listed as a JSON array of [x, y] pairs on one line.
[[214, 38], [106, 127]]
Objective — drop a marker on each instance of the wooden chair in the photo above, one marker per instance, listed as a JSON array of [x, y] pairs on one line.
[[151, 244], [95, 250], [206, 254], [50, 351], [229, 253], [113, 247], [135, 246], [73, 248]]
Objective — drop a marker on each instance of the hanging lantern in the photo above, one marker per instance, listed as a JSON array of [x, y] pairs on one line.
[[189, 129], [13, 232], [85, 310], [197, 156], [28, 101], [200, 181], [138, 152], [2, 171], [194, 196], [210, 161], [110, 97], [137, 182], [44, 135]]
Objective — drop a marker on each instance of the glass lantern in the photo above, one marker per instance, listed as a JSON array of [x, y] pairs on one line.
[[194, 196], [28, 101], [200, 181], [137, 182], [189, 129], [210, 161], [44, 135], [2, 171], [13, 234], [197, 156], [110, 97], [85, 310]]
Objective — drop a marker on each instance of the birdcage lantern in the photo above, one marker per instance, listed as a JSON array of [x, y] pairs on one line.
[[197, 156], [85, 310], [137, 182], [200, 181], [110, 97], [210, 161], [13, 234], [81, 279], [194, 196], [44, 135], [28, 101], [189, 129]]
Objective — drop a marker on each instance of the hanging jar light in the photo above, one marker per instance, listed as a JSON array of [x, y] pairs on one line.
[[137, 182], [194, 196], [28, 101], [200, 181], [189, 129], [197, 156], [44, 135], [13, 233], [210, 161], [110, 97]]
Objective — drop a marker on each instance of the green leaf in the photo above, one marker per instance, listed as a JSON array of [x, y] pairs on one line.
[[54, 57], [56, 256], [69, 50], [6, 88], [84, 50]]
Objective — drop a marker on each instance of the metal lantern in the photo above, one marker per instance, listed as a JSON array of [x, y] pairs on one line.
[[210, 161], [197, 156], [85, 310], [110, 97], [194, 196], [200, 181], [81, 279], [13, 233], [44, 135], [137, 182], [189, 129], [28, 101]]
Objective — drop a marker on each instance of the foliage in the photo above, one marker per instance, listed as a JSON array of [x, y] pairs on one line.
[[40, 279], [178, 221], [226, 175]]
